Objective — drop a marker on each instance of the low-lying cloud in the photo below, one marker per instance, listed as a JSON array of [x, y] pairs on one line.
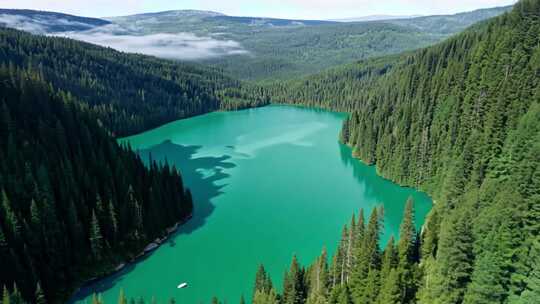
[[178, 46], [22, 23], [41, 24]]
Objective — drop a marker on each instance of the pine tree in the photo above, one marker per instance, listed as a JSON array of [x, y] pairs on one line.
[[40, 296], [265, 298], [5, 296], [407, 253], [344, 296], [113, 221], [389, 259], [454, 260], [96, 239], [407, 236], [16, 296], [368, 258], [293, 284], [263, 282], [390, 290], [531, 294], [349, 256], [372, 287], [12, 221], [429, 235]]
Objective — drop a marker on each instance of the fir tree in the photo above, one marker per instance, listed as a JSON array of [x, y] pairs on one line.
[[40, 296], [96, 239]]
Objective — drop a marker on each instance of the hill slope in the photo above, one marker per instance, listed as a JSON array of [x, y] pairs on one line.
[[450, 24], [255, 48], [462, 121], [73, 203], [47, 22], [284, 49], [128, 93]]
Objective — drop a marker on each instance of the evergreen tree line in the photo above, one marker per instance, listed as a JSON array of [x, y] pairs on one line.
[[128, 93], [73, 203], [460, 120], [15, 297], [359, 272]]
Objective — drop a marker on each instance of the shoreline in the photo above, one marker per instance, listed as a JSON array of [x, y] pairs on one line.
[[148, 249]]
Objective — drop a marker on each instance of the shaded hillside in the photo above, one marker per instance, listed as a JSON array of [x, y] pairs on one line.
[[73, 203]]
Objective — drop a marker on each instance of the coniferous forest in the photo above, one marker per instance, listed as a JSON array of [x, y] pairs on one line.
[[459, 120], [74, 204], [128, 93]]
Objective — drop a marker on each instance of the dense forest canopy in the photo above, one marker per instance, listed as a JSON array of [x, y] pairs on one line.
[[73, 203], [459, 120], [128, 93]]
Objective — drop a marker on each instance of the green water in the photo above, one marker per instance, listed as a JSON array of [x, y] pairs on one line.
[[267, 183]]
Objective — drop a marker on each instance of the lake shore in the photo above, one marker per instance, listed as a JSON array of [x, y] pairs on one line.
[[148, 249]]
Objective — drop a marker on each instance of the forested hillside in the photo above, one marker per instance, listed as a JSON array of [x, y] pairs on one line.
[[285, 49], [73, 203], [128, 93], [451, 24], [462, 121], [47, 22]]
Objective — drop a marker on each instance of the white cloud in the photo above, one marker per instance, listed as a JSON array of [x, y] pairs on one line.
[[39, 24], [180, 46], [21, 23]]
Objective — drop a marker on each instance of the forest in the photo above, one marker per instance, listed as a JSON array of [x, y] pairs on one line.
[[73, 203], [459, 120], [128, 93], [285, 49]]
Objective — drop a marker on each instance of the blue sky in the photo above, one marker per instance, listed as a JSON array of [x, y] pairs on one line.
[[298, 9]]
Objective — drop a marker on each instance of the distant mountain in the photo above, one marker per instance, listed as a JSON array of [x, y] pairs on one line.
[[173, 13], [271, 22], [252, 48], [376, 18], [449, 24], [47, 22], [186, 17], [285, 48]]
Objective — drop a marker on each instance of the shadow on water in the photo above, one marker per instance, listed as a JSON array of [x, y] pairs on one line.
[[204, 188], [385, 192]]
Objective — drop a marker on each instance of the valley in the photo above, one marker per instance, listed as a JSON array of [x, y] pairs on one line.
[[390, 161]]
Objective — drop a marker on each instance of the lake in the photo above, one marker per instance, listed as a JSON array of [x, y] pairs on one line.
[[267, 183]]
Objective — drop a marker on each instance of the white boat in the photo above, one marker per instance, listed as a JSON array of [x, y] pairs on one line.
[[183, 285]]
